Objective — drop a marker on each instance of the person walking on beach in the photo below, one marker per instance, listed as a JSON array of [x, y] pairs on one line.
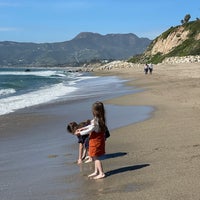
[[150, 68], [96, 129], [146, 68]]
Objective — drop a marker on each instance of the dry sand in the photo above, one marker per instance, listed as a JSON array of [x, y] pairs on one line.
[[157, 159]]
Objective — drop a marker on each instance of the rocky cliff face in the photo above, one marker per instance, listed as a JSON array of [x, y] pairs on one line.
[[174, 39], [179, 41]]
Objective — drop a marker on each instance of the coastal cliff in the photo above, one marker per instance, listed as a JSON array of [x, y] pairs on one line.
[[179, 41]]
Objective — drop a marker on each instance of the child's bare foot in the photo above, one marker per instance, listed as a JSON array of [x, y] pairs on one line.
[[88, 160], [93, 174], [79, 161], [99, 176]]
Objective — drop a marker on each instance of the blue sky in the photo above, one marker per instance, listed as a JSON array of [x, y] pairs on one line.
[[61, 20]]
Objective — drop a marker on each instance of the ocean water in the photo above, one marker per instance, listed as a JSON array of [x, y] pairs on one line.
[[20, 89]]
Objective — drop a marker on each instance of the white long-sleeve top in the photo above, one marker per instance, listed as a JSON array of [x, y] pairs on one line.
[[93, 126]]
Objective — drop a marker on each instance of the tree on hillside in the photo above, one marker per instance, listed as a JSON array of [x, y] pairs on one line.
[[186, 19]]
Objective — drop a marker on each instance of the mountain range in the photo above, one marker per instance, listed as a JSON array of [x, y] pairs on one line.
[[85, 47]]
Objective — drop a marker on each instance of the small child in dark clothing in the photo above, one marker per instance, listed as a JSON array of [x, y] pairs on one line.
[[82, 140]]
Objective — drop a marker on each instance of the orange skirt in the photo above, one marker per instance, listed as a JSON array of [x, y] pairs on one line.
[[97, 144]]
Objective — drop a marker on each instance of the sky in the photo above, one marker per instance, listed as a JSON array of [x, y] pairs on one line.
[[47, 21]]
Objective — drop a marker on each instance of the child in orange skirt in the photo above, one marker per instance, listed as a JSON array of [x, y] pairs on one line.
[[96, 129]]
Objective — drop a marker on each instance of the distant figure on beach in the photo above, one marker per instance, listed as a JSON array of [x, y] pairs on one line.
[[96, 129], [83, 141], [146, 68], [150, 68]]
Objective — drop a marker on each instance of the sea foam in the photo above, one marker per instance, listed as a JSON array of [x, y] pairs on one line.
[[47, 73], [10, 104], [4, 92]]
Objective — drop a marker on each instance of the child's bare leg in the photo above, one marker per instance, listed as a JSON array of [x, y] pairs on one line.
[[95, 173], [84, 153], [99, 168], [80, 153]]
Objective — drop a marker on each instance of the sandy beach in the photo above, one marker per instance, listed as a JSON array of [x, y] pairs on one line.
[[154, 159], [163, 153]]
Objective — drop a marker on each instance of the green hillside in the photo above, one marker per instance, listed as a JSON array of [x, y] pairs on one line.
[[85, 47], [188, 46]]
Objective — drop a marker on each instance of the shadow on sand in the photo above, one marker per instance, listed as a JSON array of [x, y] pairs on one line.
[[113, 155], [125, 169]]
